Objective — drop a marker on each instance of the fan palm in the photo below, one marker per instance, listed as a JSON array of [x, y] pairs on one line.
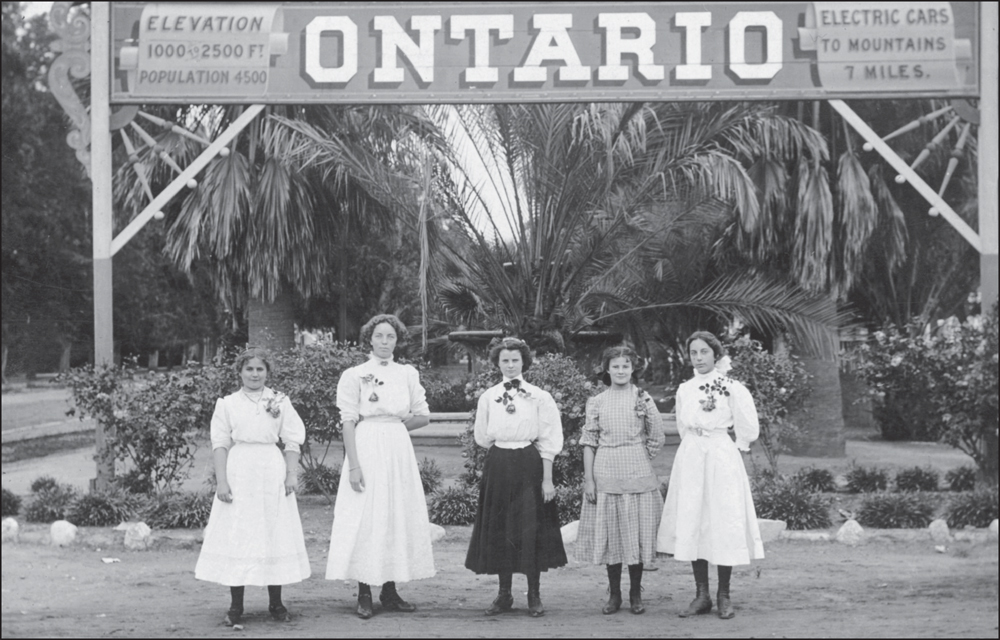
[[268, 227]]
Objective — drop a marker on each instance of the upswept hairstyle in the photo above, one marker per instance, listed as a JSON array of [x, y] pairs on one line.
[[249, 354], [365, 338], [510, 344], [709, 339], [621, 351]]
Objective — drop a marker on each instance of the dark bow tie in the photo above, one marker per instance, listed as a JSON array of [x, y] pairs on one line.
[[513, 384]]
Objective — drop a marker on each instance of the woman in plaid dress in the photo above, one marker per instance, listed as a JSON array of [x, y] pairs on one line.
[[622, 505]]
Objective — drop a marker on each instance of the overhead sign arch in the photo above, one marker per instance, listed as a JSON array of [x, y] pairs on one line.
[[512, 52]]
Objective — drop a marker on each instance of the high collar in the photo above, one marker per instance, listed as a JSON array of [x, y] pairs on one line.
[[378, 360], [706, 376]]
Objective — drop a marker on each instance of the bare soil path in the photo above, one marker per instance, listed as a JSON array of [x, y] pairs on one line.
[[801, 589]]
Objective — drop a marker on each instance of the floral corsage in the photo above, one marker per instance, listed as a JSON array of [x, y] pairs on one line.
[[710, 389], [273, 405], [641, 410], [374, 382], [507, 399]]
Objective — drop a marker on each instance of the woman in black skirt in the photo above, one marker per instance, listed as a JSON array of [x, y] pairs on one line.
[[517, 525]]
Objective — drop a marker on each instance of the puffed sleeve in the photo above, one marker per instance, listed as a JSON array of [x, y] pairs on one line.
[[292, 430], [349, 396], [590, 434], [682, 428], [418, 396], [654, 427], [482, 421], [550, 435], [745, 420], [222, 431]]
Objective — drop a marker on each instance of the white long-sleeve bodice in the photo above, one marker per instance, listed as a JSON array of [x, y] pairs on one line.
[[238, 418], [730, 404], [535, 420]]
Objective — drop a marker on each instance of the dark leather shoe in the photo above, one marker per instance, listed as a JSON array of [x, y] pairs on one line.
[[613, 605], [279, 613], [635, 603], [725, 605], [365, 610], [535, 608], [393, 602], [700, 605], [501, 604], [234, 617]]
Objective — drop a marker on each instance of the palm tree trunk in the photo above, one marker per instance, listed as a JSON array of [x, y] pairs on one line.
[[272, 324], [821, 420]]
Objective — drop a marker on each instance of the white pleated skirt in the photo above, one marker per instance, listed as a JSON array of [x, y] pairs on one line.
[[382, 533], [257, 538], [709, 512]]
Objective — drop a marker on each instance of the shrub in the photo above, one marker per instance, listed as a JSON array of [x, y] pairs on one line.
[[973, 508], [319, 480], [154, 421], [50, 503], [786, 500], [961, 478], [569, 500], [779, 385], [44, 483], [11, 504], [917, 479], [896, 510], [447, 397], [454, 506], [942, 381], [559, 375], [103, 509], [178, 510], [815, 480], [430, 475], [867, 480]]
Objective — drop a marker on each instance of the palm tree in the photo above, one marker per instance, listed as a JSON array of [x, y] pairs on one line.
[[269, 228]]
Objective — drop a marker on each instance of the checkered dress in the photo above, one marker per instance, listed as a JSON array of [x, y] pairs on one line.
[[621, 527]]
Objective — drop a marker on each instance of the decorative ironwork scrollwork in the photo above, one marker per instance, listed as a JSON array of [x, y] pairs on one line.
[[73, 29]]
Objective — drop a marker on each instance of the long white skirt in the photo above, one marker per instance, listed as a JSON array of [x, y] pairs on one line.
[[709, 512], [257, 538], [381, 534]]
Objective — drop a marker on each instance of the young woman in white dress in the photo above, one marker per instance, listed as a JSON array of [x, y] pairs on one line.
[[622, 502], [517, 523], [254, 535], [381, 533], [709, 515]]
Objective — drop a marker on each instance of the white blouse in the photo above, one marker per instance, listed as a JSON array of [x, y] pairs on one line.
[[713, 402], [396, 388], [535, 420], [238, 419]]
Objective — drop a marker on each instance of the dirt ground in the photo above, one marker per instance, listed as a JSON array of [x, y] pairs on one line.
[[814, 589]]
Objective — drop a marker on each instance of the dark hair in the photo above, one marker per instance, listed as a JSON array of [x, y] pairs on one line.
[[621, 351], [365, 339], [709, 339], [249, 354], [510, 344]]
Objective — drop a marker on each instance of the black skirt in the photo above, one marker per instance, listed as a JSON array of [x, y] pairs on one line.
[[516, 531]]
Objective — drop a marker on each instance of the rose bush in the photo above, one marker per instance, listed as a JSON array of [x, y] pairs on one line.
[[949, 373]]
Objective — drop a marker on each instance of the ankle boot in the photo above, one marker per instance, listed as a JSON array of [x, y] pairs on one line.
[[391, 600], [702, 603], [365, 610], [535, 608], [501, 604], [614, 589], [725, 606], [635, 589]]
